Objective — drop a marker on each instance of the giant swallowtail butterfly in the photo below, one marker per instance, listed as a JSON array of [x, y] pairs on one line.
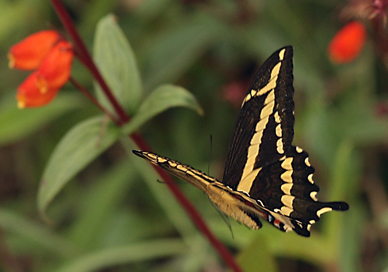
[[265, 175]]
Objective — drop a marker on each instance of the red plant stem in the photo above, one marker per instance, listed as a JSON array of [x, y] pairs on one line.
[[124, 118], [95, 101], [83, 51], [380, 36], [190, 209]]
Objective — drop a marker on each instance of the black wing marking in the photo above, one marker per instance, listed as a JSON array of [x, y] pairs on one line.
[[264, 128], [286, 188], [265, 176]]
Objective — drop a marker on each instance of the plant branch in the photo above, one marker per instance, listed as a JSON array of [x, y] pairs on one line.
[[124, 118], [86, 57], [190, 209], [95, 101]]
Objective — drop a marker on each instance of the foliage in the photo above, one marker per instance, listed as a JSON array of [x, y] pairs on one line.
[[73, 196]]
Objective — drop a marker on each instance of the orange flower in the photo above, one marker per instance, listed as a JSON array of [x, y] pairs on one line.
[[54, 71], [29, 94], [29, 53], [53, 63], [347, 43]]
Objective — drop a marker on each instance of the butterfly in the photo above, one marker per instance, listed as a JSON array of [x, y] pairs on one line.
[[265, 175]]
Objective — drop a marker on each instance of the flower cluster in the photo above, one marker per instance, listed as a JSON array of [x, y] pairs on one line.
[[51, 57]]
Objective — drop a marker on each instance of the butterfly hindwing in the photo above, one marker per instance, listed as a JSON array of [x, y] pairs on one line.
[[286, 188], [234, 205]]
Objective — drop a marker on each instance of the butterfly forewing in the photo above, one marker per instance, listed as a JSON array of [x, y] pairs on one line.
[[264, 127], [185, 172]]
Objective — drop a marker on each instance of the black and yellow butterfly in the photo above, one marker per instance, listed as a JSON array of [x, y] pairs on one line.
[[265, 175]]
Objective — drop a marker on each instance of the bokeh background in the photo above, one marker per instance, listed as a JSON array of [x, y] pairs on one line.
[[108, 218]]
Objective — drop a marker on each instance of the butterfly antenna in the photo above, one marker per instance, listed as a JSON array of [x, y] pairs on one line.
[[210, 154]]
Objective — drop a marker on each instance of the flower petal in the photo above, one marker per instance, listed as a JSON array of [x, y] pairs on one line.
[[55, 69], [347, 43], [30, 95], [29, 53]]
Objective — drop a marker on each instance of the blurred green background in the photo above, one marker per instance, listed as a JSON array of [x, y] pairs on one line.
[[109, 218]]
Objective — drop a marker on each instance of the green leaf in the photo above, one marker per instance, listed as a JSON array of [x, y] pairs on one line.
[[78, 148], [163, 98], [162, 194], [40, 236], [116, 61], [99, 202], [351, 237], [343, 185], [13, 14], [174, 50], [256, 255], [125, 254], [18, 123]]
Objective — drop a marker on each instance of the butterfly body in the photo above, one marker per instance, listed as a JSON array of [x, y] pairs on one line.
[[265, 176]]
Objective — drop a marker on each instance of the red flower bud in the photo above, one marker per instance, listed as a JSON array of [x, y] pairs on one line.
[[29, 53], [347, 43], [55, 69], [29, 94]]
